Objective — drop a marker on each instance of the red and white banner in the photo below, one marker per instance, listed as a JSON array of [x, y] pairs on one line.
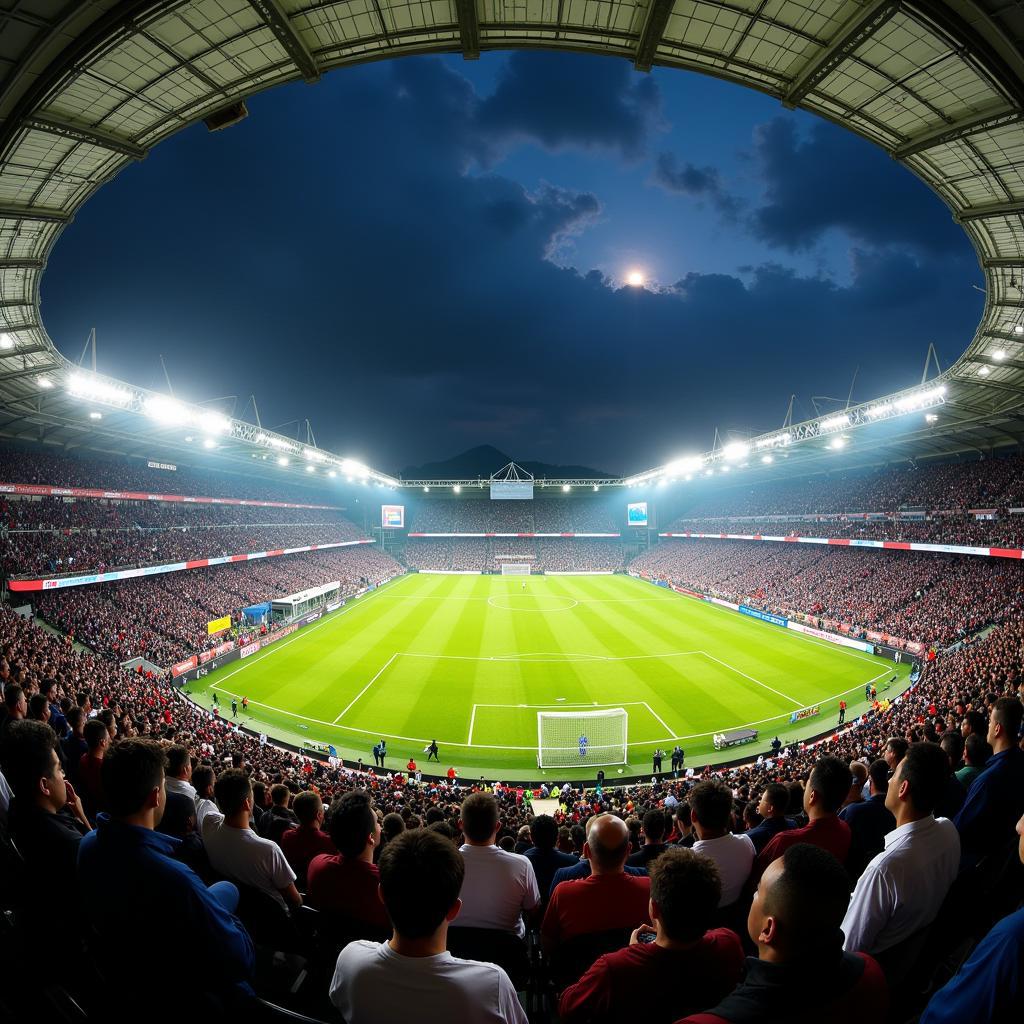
[[848, 542], [59, 582], [47, 491]]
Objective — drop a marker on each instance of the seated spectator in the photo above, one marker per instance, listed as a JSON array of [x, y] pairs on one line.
[[772, 808], [976, 755], [203, 779], [346, 882], [894, 752], [499, 886], [302, 844], [951, 799], [125, 855], [686, 967], [280, 818], [73, 746], [801, 974], [711, 809], [996, 797], [903, 887], [546, 860], [826, 789], [413, 975], [869, 821], [580, 868], [524, 841], [989, 987], [607, 899], [236, 852], [654, 840], [90, 766], [179, 772], [15, 708]]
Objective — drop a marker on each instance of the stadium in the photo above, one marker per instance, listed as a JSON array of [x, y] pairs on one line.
[[251, 683]]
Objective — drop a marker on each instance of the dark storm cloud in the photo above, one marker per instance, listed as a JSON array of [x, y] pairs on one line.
[[378, 282], [575, 101], [696, 182], [831, 179]]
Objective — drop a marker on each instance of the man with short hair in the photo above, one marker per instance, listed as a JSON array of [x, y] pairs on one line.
[[413, 975], [902, 888], [499, 886], [302, 844], [827, 786], [15, 708], [73, 746], [686, 967], [772, 808], [179, 772], [653, 826], [996, 798], [126, 855], [974, 724], [869, 820], [801, 974], [894, 751], [543, 855], [203, 778], [346, 882], [607, 899], [976, 755], [90, 766], [711, 813], [237, 852], [280, 818]]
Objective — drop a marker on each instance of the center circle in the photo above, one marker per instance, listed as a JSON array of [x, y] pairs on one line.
[[530, 603]]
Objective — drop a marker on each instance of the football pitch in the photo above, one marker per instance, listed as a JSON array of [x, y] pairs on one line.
[[470, 660]]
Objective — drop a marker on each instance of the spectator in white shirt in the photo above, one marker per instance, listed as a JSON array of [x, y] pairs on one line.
[[203, 778], [902, 888], [413, 976], [499, 885], [237, 852], [179, 772], [711, 815]]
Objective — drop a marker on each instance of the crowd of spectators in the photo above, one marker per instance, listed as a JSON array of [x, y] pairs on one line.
[[163, 618], [568, 514], [926, 598], [546, 554]]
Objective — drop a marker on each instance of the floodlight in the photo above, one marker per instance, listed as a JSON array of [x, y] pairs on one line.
[[686, 464], [596, 488], [214, 423], [282, 460], [426, 490], [457, 489], [83, 386], [736, 450], [725, 469], [999, 355], [834, 423], [95, 415], [1018, 328], [311, 469], [931, 418], [167, 411], [566, 488], [313, 455], [767, 459], [353, 468], [45, 383], [836, 443], [209, 443], [6, 341], [709, 472], [984, 371]]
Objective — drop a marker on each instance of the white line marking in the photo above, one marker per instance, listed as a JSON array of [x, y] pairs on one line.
[[739, 672], [544, 657], [348, 706], [472, 719], [661, 720]]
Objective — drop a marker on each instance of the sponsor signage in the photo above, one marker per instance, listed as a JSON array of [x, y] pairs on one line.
[[756, 613], [215, 626], [161, 465], [636, 513], [249, 649], [799, 716], [392, 517], [184, 666]]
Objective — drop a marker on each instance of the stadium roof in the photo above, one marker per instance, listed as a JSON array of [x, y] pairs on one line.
[[86, 88]]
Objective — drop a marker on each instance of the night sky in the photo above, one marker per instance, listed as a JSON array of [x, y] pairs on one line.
[[428, 254]]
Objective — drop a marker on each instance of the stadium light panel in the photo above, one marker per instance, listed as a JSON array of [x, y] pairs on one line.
[[6, 341], [1018, 328], [282, 460], [767, 459], [313, 455], [726, 469], [984, 371], [166, 411], [82, 386], [45, 383], [834, 423], [214, 423], [686, 464], [331, 473], [596, 488], [208, 442], [566, 488], [735, 451], [95, 415], [457, 489], [931, 418], [426, 490], [999, 355], [311, 469], [837, 443], [774, 440]]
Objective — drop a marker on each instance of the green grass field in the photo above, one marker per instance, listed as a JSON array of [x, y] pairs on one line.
[[470, 660]]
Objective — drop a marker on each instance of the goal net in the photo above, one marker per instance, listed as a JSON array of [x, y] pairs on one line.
[[515, 568], [570, 739]]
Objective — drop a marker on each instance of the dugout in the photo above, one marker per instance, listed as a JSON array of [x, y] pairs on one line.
[[294, 606]]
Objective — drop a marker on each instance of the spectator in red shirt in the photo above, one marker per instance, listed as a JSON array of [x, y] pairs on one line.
[[607, 899], [686, 966], [302, 844], [801, 974], [826, 790], [346, 883], [97, 741]]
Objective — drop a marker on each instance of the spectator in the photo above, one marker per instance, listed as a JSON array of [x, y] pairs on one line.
[[976, 755], [772, 808], [73, 746], [654, 840], [346, 882], [546, 860], [687, 966], [801, 974], [869, 821], [895, 751], [607, 899], [989, 987], [237, 852], [413, 975], [827, 787], [14, 710], [179, 772], [300, 845], [280, 818], [203, 779], [711, 810], [126, 855], [902, 888], [499, 886], [90, 766], [996, 797]]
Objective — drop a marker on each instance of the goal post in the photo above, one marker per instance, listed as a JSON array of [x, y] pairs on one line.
[[516, 568], [573, 739]]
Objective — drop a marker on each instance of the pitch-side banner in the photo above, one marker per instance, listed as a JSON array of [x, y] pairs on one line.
[[49, 491], [849, 542]]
